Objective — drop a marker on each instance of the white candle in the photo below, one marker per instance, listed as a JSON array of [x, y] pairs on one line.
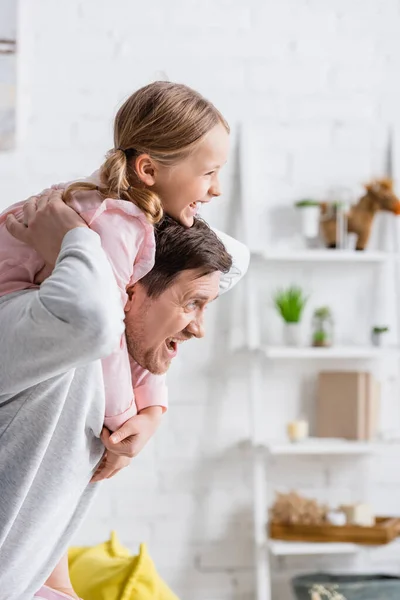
[[297, 430]]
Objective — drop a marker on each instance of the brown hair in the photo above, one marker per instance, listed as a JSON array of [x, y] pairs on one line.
[[165, 120], [179, 248]]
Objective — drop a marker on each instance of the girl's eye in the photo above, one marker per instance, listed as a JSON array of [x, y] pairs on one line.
[[210, 173]]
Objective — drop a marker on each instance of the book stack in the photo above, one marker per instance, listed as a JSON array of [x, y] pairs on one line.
[[347, 405]]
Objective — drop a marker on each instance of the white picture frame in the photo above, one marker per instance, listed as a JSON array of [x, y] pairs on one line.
[[8, 69]]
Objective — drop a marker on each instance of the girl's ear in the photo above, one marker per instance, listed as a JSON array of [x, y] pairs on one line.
[[145, 169]]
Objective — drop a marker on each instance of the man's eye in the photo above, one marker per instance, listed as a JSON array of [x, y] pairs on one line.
[[192, 305]]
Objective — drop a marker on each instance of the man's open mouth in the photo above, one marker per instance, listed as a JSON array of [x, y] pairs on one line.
[[172, 345]]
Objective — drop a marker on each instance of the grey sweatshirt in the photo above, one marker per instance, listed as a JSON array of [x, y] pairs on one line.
[[52, 408], [52, 404]]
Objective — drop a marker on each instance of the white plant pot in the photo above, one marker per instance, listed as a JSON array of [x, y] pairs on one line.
[[292, 334], [310, 217], [377, 339]]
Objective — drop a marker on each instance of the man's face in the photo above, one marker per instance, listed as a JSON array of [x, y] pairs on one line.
[[155, 326]]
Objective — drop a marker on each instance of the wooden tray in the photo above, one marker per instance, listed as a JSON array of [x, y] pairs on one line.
[[385, 530]]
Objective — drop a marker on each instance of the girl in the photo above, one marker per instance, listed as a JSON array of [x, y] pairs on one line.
[[170, 144]]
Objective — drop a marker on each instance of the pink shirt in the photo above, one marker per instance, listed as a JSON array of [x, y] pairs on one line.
[[128, 241]]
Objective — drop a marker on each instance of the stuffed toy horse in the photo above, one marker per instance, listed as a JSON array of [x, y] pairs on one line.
[[379, 196]]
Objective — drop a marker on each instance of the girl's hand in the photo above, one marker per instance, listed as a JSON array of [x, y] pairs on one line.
[[129, 439], [45, 222]]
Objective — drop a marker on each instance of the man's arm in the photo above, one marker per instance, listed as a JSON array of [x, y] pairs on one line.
[[74, 318], [240, 261]]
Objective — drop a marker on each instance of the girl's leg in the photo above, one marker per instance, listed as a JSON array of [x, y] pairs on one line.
[[46, 593], [58, 581]]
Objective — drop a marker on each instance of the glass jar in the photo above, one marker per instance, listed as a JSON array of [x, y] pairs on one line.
[[322, 327]]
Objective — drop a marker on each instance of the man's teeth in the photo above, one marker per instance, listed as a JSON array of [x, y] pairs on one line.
[[172, 342]]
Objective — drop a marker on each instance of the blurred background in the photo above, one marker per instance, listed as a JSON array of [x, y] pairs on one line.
[[311, 91]]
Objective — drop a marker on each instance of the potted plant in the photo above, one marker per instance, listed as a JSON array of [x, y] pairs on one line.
[[310, 212], [376, 335], [290, 305], [322, 324]]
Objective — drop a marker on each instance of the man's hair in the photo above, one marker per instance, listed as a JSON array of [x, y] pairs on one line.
[[179, 248]]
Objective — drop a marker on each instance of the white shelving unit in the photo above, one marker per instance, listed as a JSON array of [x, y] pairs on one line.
[[278, 548], [336, 352], [263, 449], [324, 256], [321, 447]]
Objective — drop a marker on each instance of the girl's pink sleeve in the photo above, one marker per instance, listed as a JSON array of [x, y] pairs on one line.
[[122, 237], [150, 390]]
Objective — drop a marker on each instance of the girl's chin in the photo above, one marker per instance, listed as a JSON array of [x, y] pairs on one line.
[[187, 219]]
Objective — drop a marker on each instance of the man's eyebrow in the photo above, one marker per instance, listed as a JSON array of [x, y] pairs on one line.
[[204, 297]]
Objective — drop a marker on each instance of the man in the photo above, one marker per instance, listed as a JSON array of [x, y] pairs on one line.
[[51, 387]]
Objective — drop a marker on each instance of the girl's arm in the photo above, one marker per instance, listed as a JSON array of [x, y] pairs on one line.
[[129, 245]]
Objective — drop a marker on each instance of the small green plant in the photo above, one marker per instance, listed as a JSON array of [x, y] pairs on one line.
[[290, 303], [379, 330], [322, 324], [306, 202], [319, 337]]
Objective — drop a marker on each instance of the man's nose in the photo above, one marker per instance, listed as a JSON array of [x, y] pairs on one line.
[[196, 327]]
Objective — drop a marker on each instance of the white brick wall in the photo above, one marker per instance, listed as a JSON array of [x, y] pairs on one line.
[[320, 80]]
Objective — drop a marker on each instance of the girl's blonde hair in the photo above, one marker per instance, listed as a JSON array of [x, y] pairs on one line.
[[165, 120]]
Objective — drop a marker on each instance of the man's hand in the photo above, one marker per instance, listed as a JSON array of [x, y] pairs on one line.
[[46, 220], [129, 441], [133, 435], [109, 466]]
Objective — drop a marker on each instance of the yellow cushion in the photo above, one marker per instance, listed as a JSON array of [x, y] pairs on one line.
[[109, 572]]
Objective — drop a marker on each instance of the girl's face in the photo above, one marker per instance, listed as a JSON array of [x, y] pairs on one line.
[[194, 180]]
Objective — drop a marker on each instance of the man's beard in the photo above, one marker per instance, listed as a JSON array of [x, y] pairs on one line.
[[145, 358]]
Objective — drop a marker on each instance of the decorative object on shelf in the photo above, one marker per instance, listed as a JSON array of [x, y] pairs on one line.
[[385, 530], [347, 405], [310, 213], [335, 214], [319, 592], [290, 509], [346, 587], [297, 430], [358, 514], [377, 334], [379, 196], [322, 324], [336, 517], [290, 305]]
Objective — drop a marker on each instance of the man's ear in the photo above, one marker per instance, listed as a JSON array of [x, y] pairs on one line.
[[145, 169]]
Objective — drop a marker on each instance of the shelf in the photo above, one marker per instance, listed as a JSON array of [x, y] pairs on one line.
[[321, 255], [320, 446], [336, 352], [280, 548]]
